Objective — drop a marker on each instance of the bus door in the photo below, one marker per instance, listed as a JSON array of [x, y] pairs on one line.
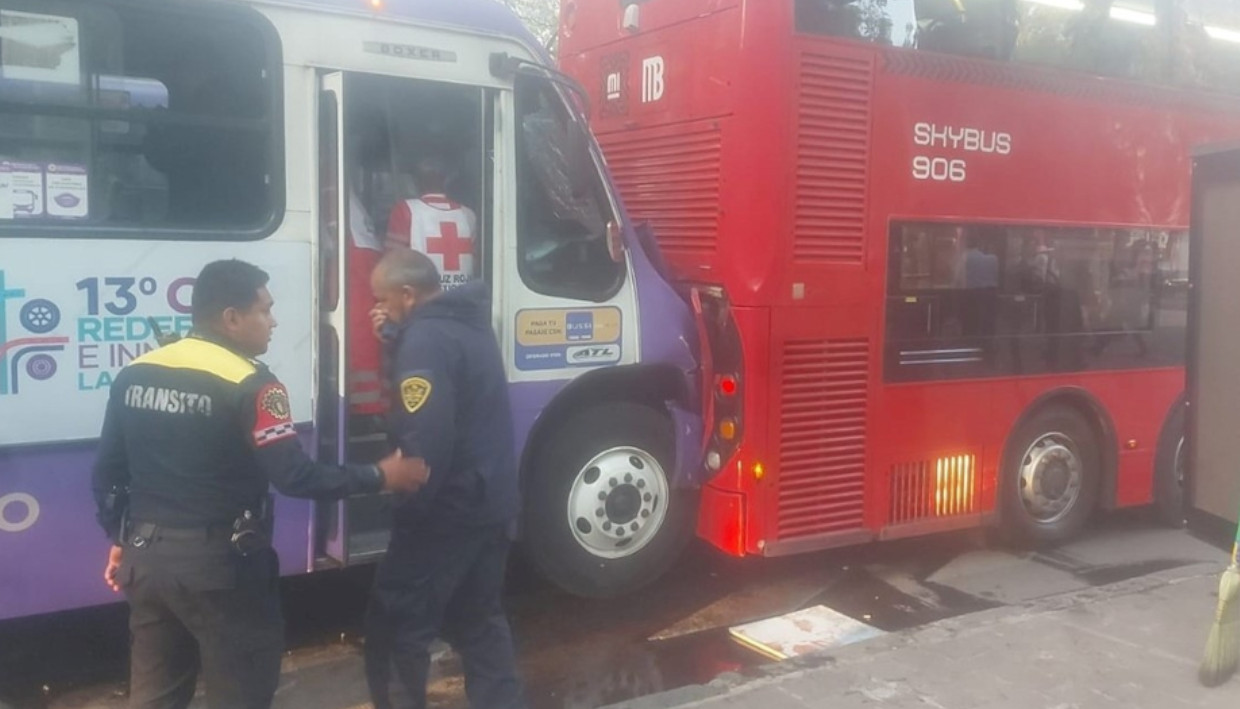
[[342, 532], [404, 163]]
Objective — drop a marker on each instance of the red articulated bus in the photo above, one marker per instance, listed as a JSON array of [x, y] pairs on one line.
[[942, 245]]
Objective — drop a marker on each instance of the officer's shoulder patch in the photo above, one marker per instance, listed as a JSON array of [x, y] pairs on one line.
[[415, 391], [273, 417], [273, 399]]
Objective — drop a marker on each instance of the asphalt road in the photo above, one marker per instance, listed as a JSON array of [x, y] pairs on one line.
[[580, 653]]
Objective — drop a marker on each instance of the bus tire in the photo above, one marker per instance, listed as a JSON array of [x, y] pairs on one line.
[[1169, 470], [601, 517], [1051, 474]]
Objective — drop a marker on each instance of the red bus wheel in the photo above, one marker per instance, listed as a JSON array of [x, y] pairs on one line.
[[1050, 477]]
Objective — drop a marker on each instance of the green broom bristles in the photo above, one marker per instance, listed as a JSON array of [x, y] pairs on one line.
[[1223, 647]]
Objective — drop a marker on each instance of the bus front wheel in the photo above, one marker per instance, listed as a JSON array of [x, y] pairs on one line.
[[601, 516], [1051, 472]]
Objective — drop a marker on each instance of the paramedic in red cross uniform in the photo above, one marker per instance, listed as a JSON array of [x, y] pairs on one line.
[[436, 226]]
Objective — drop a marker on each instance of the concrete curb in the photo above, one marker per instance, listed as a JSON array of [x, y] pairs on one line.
[[970, 623]]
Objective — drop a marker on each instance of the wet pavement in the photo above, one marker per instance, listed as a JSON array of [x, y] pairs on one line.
[[584, 653], [1133, 644]]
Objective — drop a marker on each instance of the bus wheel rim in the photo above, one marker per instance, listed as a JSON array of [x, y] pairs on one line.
[[618, 502], [1051, 478]]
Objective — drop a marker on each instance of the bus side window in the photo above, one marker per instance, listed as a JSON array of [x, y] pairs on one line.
[[1190, 43], [965, 300], [1089, 39], [562, 204], [892, 23], [972, 28], [1206, 37], [160, 118]]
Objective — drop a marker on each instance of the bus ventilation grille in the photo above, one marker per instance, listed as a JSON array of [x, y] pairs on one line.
[[933, 489], [822, 437], [832, 169], [670, 176]]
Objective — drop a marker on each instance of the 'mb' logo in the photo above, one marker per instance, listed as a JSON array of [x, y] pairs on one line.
[[652, 79]]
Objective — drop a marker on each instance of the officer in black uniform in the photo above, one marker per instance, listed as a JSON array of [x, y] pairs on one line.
[[194, 434], [444, 570]]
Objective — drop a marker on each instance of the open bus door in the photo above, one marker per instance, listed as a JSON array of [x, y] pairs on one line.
[[1214, 345], [377, 133], [353, 530]]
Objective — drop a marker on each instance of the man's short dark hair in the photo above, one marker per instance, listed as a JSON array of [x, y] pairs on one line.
[[406, 267], [225, 284]]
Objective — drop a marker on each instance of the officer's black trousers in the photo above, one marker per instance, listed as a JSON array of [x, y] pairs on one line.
[[195, 600], [446, 585]]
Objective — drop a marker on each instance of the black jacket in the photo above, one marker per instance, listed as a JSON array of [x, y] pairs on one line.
[[450, 407], [196, 432]]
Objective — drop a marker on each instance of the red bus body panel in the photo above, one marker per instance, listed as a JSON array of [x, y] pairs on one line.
[[773, 164]]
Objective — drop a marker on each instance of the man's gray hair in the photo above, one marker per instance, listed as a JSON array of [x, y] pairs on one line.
[[406, 267]]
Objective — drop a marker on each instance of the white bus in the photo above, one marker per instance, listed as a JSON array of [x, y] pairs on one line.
[[141, 139]]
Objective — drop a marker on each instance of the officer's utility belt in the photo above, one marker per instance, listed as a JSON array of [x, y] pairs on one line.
[[145, 534], [248, 533]]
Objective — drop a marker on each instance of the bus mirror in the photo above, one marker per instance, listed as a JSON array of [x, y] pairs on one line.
[[503, 65]]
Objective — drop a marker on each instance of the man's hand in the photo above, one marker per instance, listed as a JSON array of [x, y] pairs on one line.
[[378, 318], [114, 563], [401, 474]]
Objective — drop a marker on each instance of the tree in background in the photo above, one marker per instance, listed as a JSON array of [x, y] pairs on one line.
[[542, 17]]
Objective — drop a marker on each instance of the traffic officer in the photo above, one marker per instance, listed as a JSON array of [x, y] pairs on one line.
[[444, 570], [193, 435]]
